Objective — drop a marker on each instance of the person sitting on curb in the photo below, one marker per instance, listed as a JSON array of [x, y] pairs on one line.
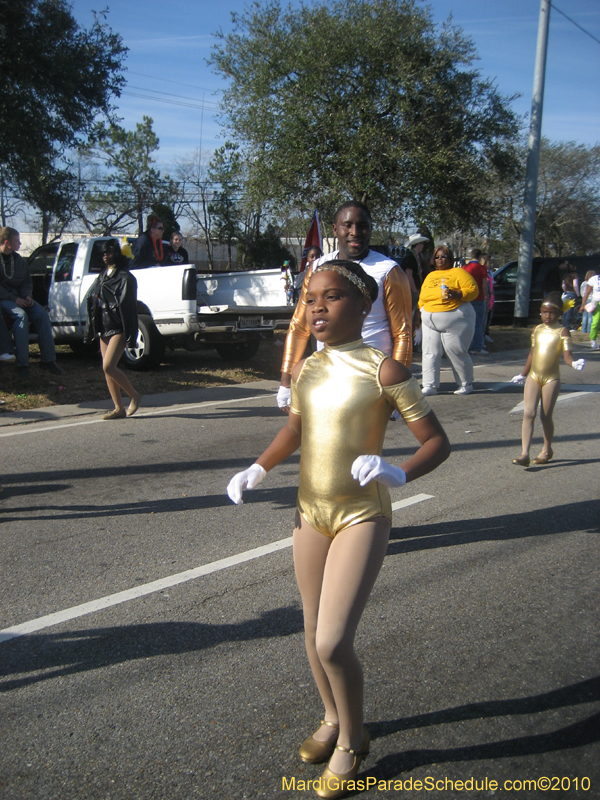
[[6, 348], [18, 304]]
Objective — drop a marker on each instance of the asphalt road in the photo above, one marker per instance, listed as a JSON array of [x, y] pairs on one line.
[[151, 635]]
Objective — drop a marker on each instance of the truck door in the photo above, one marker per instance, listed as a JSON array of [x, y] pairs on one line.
[[63, 298], [40, 264]]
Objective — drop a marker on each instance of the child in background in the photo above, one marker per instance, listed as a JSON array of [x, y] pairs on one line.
[[541, 377], [312, 254], [342, 397]]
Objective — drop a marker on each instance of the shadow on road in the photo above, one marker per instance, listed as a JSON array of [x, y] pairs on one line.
[[578, 734], [68, 653], [557, 519], [281, 498]]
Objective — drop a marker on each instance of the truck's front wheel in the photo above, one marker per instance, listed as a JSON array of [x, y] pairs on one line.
[[238, 351], [149, 348]]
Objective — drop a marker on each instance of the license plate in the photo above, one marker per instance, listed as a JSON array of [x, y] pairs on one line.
[[249, 322]]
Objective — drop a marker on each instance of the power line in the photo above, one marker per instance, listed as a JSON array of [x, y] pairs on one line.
[[164, 100], [179, 83], [170, 94], [577, 25]]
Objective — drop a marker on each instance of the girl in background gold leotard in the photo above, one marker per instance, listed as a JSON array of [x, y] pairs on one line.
[[542, 371], [341, 402]]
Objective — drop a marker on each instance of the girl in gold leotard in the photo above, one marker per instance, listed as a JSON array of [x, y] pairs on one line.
[[342, 397], [542, 371]]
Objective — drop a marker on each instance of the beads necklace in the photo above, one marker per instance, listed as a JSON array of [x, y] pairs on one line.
[[11, 261]]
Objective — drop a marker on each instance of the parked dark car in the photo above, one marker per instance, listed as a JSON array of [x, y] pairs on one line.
[[545, 277]]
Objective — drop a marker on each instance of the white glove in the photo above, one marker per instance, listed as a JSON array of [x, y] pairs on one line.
[[284, 397], [369, 468], [520, 379], [579, 365], [247, 479]]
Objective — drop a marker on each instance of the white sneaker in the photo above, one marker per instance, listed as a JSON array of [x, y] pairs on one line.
[[428, 390], [594, 344], [7, 358], [467, 388], [489, 339]]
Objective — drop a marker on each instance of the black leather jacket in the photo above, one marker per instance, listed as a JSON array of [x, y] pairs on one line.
[[112, 307]]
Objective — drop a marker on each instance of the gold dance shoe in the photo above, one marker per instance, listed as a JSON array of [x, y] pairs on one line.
[[332, 785], [543, 458], [116, 413], [134, 404], [313, 752], [522, 461]]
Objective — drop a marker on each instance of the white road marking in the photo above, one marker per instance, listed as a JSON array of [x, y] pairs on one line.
[[163, 583], [410, 501], [561, 399], [169, 410]]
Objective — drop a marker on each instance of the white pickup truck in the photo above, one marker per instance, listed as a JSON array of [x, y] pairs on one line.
[[230, 311]]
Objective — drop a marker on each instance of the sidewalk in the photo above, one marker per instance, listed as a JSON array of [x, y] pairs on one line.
[[149, 402], [490, 371]]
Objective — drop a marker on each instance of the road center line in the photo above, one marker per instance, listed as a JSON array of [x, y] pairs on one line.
[[164, 583], [169, 410], [562, 398]]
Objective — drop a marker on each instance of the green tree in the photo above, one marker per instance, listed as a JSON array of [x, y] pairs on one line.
[[57, 77], [226, 171], [125, 181], [265, 250], [10, 201], [568, 203], [364, 99], [51, 192]]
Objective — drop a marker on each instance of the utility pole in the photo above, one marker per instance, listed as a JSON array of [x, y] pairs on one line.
[[531, 178]]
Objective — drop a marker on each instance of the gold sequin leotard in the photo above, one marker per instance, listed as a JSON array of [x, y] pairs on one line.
[[345, 411], [548, 342]]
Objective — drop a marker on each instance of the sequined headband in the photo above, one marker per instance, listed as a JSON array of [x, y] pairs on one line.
[[550, 303], [360, 285]]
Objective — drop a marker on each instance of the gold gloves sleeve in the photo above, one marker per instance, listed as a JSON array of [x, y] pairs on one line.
[[566, 343], [408, 399], [298, 333], [398, 307]]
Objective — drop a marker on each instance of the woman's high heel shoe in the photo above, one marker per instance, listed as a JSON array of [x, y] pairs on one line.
[[313, 751], [522, 461], [332, 785]]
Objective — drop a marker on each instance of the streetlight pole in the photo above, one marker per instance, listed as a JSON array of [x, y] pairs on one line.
[[531, 177]]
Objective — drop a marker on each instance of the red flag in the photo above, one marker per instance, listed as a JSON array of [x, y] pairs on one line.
[[313, 239]]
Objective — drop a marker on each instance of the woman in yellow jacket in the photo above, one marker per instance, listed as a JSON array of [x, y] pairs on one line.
[[447, 322]]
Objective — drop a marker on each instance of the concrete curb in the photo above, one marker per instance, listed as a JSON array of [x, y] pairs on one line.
[[149, 402], [243, 390]]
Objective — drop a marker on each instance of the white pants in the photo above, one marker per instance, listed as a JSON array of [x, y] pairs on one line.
[[451, 331]]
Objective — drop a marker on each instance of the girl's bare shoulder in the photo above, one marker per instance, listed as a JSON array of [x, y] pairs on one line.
[[393, 372], [297, 369]]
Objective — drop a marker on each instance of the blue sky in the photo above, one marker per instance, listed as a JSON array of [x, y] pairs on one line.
[[170, 42]]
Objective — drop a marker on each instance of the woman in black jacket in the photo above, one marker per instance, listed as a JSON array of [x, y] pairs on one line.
[[112, 317]]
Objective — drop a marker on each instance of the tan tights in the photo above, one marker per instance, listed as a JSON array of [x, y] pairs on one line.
[[112, 350], [531, 397], [335, 578]]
